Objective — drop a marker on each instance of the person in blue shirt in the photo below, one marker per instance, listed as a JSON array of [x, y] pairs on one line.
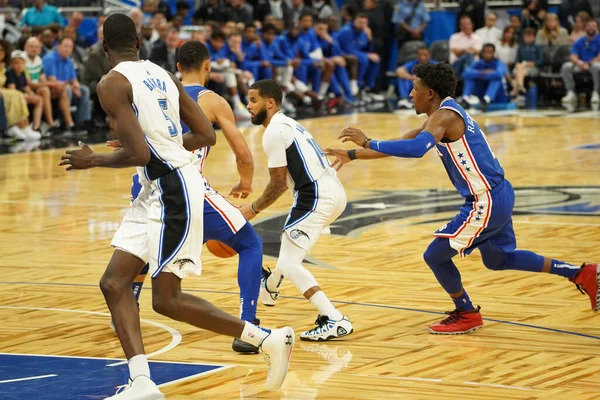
[[41, 14], [411, 18], [405, 77], [58, 67], [331, 52], [485, 79], [585, 56], [355, 38], [256, 58]]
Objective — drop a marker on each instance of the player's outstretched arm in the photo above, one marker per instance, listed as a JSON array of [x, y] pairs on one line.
[[201, 132], [276, 187], [224, 117], [116, 97]]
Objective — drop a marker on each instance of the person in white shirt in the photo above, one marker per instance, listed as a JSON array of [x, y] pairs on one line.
[[464, 46], [490, 33], [507, 48]]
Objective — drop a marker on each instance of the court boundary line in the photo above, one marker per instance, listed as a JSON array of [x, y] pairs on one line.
[[373, 305]]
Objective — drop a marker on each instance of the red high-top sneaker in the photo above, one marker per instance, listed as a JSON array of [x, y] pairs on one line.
[[458, 322], [587, 280]]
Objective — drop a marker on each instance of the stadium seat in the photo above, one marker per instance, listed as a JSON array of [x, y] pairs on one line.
[[551, 84], [440, 51]]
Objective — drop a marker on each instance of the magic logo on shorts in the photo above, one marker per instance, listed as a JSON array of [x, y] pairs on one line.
[[181, 263], [296, 233]]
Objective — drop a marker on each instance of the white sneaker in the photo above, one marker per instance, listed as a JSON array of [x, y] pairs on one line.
[[595, 101], [267, 297], [404, 104], [241, 112], [472, 100], [30, 134], [141, 388], [328, 329], [376, 97], [16, 133], [288, 107], [277, 349], [570, 98]]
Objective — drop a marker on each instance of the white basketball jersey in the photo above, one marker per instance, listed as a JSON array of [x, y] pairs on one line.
[[156, 104], [287, 143]]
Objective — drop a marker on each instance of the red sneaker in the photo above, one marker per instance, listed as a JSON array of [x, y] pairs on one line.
[[587, 280], [458, 322]]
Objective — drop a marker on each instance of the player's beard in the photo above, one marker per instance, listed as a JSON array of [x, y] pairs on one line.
[[260, 117]]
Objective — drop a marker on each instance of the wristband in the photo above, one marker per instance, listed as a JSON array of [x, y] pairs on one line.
[[367, 140], [352, 154], [253, 209]]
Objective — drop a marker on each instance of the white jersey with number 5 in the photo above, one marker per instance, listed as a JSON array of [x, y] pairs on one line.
[[287, 143], [156, 104]]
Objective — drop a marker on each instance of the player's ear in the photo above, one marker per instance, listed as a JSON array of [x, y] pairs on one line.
[[178, 66], [137, 43], [104, 46]]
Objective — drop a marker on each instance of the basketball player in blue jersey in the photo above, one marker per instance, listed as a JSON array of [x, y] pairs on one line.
[[164, 224], [485, 220], [222, 220], [296, 161]]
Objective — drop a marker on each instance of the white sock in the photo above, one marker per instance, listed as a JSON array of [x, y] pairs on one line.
[[354, 87], [138, 366], [324, 88], [274, 280], [253, 334], [322, 303], [487, 99], [236, 99]]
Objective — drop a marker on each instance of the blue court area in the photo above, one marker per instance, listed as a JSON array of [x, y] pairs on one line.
[[60, 378]]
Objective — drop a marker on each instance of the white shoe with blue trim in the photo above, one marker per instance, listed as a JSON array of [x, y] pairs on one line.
[[328, 329]]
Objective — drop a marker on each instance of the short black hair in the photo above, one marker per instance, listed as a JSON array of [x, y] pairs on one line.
[[120, 32], [306, 14], [492, 45], [248, 26], [529, 31], [361, 15], [62, 39], [268, 88], [322, 21], [438, 77], [269, 28], [218, 35], [182, 5], [36, 30], [192, 54]]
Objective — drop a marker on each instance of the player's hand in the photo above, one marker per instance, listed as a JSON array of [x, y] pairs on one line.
[[78, 159], [114, 144], [247, 212], [353, 135], [373, 57], [341, 157], [241, 191]]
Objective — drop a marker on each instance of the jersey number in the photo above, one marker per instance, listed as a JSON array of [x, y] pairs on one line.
[[163, 106]]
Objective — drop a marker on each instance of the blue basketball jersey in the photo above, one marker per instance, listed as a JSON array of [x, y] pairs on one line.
[[195, 91], [470, 162]]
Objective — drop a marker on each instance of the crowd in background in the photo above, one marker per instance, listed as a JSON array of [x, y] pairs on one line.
[[321, 55]]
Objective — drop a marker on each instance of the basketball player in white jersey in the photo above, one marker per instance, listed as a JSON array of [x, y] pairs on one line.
[[164, 224], [296, 160]]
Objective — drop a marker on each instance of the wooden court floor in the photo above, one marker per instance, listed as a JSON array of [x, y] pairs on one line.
[[540, 339]]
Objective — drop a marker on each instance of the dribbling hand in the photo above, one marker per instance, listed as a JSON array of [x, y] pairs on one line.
[[341, 157], [78, 159], [240, 191]]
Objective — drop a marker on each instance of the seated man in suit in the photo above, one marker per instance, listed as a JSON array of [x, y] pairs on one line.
[[165, 53]]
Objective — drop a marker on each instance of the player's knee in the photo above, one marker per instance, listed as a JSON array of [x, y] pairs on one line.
[[164, 305], [110, 285], [493, 260], [430, 256]]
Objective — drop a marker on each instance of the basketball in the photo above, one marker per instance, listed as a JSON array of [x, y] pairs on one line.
[[220, 249]]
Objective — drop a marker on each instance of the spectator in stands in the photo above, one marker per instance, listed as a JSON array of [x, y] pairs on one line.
[[530, 59], [17, 113], [212, 11], [333, 25], [146, 43], [585, 56], [38, 82], [182, 8], [355, 38], [282, 65], [256, 60], [298, 9], [16, 78], [322, 9], [333, 53], [279, 9], [474, 9], [137, 17], [551, 33], [241, 11], [569, 9], [164, 53], [158, 20], [347, 14], [464, 46], [75, 21], [48, 40], [78, 55], [484, 80], [508, 47], [199, 36], [411, 19], [378, 13], [151, 6], [490, 33], [96, 66], [58, 67], [534, 12], [177, 22], [517, 24], [581, 20], [41, 14], [405, 77]]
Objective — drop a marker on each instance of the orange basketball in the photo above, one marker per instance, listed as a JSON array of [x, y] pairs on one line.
[[220, 249]]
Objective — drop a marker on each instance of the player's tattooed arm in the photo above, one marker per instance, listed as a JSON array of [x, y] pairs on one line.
[[276, 187], [116, 97], [202, 133]]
